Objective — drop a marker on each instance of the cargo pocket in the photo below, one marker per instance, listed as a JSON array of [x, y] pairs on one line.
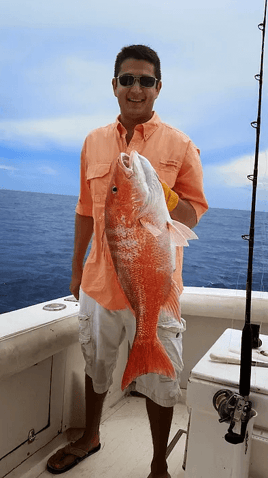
[[85, 321], [170, 334], [84, 329], [85, 339]]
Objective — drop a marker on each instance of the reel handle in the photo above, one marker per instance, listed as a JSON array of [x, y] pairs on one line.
[[235, 438]]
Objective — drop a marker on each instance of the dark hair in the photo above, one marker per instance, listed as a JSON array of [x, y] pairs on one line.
[[138, 52]]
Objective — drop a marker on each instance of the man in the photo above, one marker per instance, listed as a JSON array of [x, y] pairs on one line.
[[104, 319]]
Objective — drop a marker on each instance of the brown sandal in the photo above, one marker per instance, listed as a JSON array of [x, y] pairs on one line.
[[72, 450]]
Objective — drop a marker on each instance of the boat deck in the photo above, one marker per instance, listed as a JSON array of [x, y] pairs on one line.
[[126, 445]]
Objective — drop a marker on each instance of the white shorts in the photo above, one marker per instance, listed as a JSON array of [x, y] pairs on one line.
[[101, 331]]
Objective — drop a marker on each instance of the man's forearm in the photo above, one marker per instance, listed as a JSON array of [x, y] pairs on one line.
[[84, 226], [83, 231], [184, 212]]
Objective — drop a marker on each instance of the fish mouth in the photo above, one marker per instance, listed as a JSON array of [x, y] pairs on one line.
[[133, 168], [126, 163]]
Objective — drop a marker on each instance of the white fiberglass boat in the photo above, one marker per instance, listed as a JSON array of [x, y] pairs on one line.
[[42, 393]]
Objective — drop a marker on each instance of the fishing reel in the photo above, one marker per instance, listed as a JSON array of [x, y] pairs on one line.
[[232, 409]]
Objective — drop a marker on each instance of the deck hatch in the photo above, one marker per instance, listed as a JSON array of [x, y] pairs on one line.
[[27, 414]]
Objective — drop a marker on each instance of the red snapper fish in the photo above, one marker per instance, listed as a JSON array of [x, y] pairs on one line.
[[142, 239]]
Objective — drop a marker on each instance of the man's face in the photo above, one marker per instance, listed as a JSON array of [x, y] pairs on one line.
[[136, 103]]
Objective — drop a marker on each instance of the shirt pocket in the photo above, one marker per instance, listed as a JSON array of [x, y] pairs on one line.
[[99, 177], [168, 170]]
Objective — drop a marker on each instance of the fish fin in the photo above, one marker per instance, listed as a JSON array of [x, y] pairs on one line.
[[180, 234], [147, 358], [151, 228], [172, 304]]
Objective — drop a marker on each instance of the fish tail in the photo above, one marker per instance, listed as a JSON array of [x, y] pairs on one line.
[[147, 358]]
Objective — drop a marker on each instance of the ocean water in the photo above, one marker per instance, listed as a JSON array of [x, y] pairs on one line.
[[36, 246]]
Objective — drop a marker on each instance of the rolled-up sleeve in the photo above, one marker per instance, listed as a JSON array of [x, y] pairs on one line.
[[189, 183], [84, 204]]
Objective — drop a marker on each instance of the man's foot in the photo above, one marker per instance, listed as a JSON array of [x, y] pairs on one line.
[[159, 469], [165, 475], [69, 456]]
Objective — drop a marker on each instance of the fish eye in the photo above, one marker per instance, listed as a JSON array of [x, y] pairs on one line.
[[114, 189]]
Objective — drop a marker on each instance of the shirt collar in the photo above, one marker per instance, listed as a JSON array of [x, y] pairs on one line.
[[146, 129]]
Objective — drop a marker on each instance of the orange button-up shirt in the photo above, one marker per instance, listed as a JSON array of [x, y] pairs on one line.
[[177, 162]]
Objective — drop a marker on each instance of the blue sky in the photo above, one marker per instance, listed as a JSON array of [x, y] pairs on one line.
[[57, 60]]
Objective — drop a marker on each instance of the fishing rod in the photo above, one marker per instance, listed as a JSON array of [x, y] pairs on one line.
[[233, 407], [245, 374]]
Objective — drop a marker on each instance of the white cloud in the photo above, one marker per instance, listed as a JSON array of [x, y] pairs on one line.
[[47, 170], [7, 168], [233, 174], [72, 81], [67, 132]]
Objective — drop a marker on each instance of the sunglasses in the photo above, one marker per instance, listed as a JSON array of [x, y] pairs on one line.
[[144, 81]]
